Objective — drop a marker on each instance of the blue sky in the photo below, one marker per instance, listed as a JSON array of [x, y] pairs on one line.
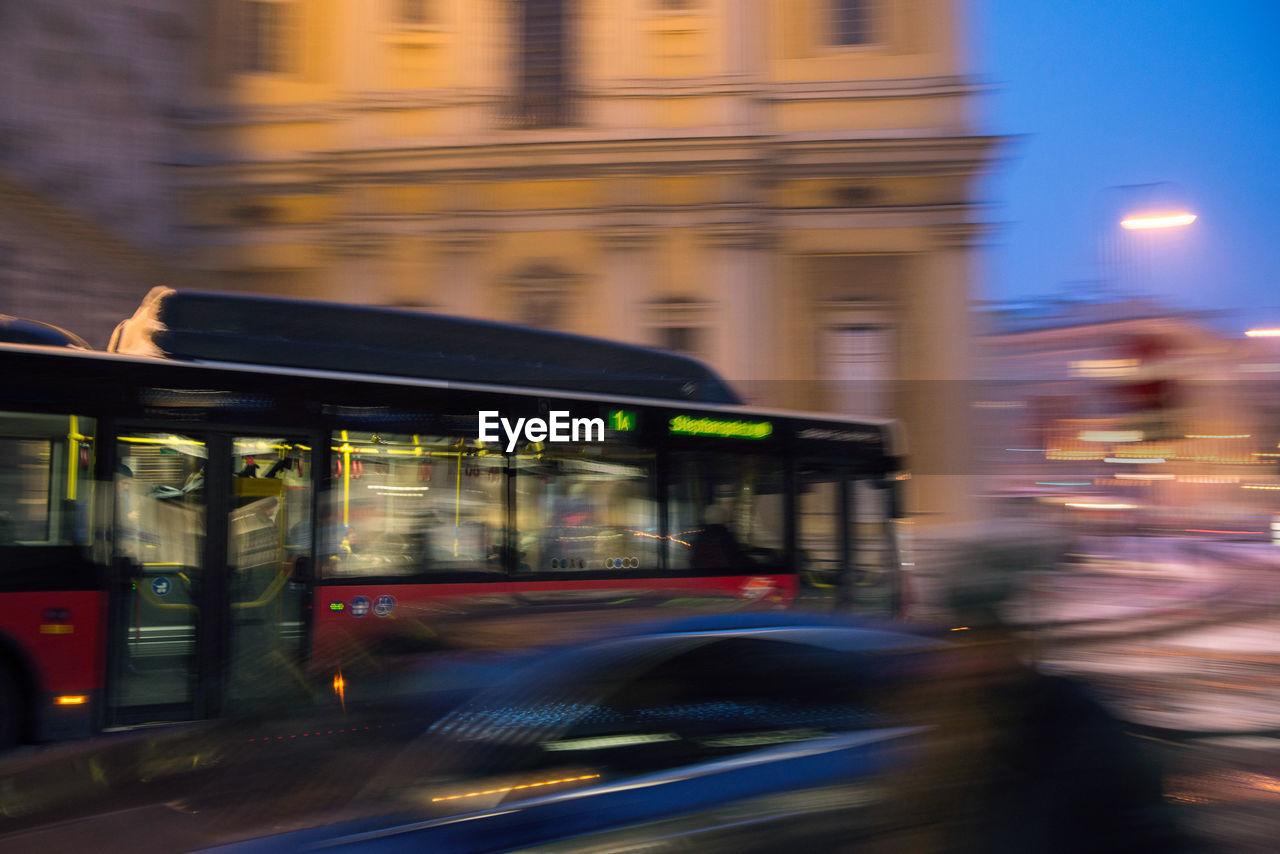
[[1101, 93]]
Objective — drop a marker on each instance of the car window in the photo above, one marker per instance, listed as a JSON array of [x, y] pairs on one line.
[[717, 699]]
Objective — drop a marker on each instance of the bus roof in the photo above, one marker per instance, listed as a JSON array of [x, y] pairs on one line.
[[198, 326]]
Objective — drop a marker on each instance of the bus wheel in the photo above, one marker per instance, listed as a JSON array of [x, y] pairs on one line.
[[10, 706]]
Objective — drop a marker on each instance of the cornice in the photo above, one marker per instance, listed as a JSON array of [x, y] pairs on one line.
[[411, 99], [343, 243], [874, 89], [627, 236], [790, 90], [598, 90], [780, 156], [739, 235], [461, 241], [959, 234]]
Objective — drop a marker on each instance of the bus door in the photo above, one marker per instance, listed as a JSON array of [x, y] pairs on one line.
[[846, 539], [876, 585], [207, 597], [268, 538]]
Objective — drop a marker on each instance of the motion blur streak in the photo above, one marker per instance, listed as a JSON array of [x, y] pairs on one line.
[[516, 788]]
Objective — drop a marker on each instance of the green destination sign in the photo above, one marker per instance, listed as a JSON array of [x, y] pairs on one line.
[[623, 420], [688, 425]]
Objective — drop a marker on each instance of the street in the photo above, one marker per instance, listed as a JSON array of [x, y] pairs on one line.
[[1181, 638], [1176, 637]]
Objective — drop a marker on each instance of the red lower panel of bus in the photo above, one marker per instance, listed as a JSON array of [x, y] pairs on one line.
[[59, 637], [349, 618]]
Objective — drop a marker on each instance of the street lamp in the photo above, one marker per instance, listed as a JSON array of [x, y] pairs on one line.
[[1150, 208], [1157, 221]]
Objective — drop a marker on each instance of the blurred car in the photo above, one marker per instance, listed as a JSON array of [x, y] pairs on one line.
[[721, 733]]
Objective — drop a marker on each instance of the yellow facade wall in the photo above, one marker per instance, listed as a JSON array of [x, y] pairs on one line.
[[280, 138], [543, 195], [871, 113]]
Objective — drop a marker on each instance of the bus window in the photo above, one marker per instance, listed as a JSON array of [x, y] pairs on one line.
[[404, 504], [44, 479], [726, 512], [586, 507], [876, 580], [822, 531]]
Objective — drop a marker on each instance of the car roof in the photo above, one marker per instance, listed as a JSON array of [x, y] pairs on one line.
[[792, 625]]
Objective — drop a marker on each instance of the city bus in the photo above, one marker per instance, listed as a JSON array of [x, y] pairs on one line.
[[242, 495]]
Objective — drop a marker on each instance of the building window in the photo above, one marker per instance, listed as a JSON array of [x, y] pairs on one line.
[[266, 34], [852, 23], [543, 97], [416, 12], [681, 326], [541, 295], [678, 5], [685, 340], [860, 366]]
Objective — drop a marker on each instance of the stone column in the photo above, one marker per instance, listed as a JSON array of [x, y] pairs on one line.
[[940, 371], [746, 27], [743, 287], [627, 281], [458, 289]]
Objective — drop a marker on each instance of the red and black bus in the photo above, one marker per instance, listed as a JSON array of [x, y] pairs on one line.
[[245, 493]]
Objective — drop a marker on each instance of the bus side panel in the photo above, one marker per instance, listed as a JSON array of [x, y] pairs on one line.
[[59, 637], [349, 618]]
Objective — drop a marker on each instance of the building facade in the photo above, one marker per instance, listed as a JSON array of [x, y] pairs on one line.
[[88, 108], [783, 188], [89, 102]]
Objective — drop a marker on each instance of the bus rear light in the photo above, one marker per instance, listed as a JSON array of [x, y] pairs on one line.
[[71, 700]]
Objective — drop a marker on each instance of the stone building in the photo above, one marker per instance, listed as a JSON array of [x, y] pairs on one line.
[[60, 268], [89, 97], [784, 189]]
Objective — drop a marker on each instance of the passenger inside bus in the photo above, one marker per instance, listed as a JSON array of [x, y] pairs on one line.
[[715, 544]]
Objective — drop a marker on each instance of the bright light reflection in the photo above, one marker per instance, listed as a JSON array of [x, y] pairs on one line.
[[1158, 221], [505, 789]]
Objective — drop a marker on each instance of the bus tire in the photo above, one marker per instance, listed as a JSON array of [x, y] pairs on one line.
[[11, 706]]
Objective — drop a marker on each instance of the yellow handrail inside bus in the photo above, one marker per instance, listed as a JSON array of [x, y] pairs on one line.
[[271, 592], [145, 591], [457, 505], [346, 482], [74, 438]]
